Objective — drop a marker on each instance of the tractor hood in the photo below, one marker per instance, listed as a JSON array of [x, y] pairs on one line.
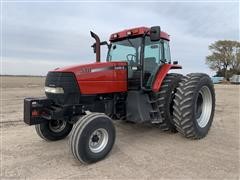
[[83, 72], [99, 77]]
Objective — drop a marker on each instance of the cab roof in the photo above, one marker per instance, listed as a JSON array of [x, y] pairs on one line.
[[134, 32]]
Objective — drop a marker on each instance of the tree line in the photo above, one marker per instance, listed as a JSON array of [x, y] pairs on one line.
[[224, 58]]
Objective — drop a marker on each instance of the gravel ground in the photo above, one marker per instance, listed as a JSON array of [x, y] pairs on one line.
[[140, 151]]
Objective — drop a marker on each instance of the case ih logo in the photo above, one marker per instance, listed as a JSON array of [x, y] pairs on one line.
[[120, 67]]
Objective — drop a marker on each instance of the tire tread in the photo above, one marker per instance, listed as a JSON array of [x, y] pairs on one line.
[[183, 105]]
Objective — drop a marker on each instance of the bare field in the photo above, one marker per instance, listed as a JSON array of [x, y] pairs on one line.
[[140, 151]]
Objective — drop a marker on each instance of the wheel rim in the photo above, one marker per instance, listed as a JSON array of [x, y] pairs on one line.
[[57, 125], [98, 140], [203, 106]]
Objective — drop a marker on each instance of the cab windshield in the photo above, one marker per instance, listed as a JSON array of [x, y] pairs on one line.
[[129, 50], [126, 50]]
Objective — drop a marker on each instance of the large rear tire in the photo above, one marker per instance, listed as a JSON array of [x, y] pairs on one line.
[[53, 130], [92, 137], [165, 98], [194, 105]]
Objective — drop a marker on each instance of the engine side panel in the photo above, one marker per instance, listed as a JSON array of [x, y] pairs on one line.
[[100, 78]]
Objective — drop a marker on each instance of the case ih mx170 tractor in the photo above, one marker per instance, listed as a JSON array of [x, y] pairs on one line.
[[134, 84]]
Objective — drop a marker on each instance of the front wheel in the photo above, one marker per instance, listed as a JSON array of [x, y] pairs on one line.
[[92, 138], [194, 105], [53, 130]]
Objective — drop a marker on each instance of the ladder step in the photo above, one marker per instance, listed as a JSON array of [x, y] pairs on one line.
[[154, 111]]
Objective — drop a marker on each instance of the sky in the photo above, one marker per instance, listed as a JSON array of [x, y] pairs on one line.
[[41, 36]]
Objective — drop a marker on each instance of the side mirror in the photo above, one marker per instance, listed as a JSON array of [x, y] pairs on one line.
[[155, 33]]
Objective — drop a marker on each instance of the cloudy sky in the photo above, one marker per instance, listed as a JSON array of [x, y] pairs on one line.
[[40, 36]]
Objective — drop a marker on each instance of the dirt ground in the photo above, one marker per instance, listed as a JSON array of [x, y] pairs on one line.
[[140, 152]]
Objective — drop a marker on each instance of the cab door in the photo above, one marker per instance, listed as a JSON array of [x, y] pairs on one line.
[[153, 58]]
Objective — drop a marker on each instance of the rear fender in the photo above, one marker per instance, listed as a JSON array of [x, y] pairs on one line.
[[161, 74]]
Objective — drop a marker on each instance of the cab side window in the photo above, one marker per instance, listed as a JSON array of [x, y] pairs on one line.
[[152, 61], [153, 51], [152, 56], [167, 56]]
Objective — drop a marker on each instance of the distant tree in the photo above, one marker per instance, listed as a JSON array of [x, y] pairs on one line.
[[225, 58]]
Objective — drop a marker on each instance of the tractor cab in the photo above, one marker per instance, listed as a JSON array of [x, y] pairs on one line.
[[146, 53], [143, 54]]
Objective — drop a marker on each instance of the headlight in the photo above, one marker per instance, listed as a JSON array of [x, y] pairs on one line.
[[55, 90]]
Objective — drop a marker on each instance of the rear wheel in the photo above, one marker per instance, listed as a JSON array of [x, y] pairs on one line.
[[92, 137], [53, 130], [194, 105], [165, 98]]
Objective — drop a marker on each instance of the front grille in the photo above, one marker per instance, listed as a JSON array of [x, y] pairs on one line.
[[69, 84]]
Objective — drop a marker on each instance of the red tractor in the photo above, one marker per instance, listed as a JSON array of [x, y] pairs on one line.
[[134, 84]]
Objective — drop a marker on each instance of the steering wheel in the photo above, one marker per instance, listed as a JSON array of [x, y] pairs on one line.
[[131, 57]]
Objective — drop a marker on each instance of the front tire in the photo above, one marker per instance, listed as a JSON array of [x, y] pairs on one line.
[[53, 130], [92, 138], [194, 105]]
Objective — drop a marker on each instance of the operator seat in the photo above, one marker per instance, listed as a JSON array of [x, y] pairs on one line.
[[150, 64], [150, 68]]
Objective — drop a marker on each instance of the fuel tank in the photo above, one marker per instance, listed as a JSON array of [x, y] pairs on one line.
[[99, 78]]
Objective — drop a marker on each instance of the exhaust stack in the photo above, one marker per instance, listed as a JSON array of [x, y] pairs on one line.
[[96, 46]]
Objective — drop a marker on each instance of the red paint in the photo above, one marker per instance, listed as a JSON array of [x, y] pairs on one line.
[[161, 75], [97, 78], [136, 32]]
